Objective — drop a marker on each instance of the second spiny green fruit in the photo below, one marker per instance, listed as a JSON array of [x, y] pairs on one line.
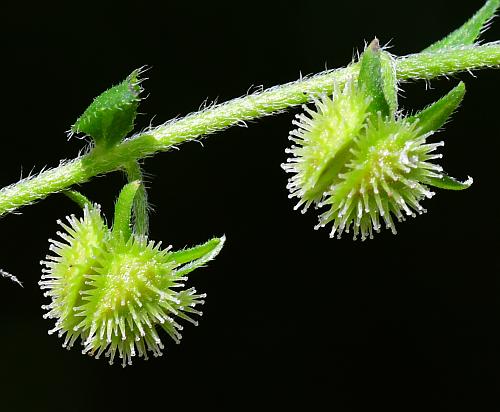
[[112, 289], [362, 160]]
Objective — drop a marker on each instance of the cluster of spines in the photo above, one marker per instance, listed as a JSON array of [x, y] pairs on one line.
[[386, 176], [63, 275], [112, 293], [357, 155], [319, 135]]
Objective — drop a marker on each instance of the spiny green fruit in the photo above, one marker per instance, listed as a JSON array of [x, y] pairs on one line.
[[113, 291], [322, 141], [64, 274], [387, 175], [356, 155]]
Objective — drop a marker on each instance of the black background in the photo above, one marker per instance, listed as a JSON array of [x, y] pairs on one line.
[[292, 317]]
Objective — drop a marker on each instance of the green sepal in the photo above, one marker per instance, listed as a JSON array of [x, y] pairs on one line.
[[110, 117], [449, 183], [370, 79], [436, 115], [389, 81], [123, 210], [140, 215], [470, 31], [197, 256]]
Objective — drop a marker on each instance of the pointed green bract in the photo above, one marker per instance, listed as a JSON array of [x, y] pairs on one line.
[[199, 255], [187, 255], [370, 79], [111, 115], [389, 81], [470, 31], [450, 183], [436, 115]]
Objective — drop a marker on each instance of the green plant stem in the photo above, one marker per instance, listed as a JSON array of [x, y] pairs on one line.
[[426, 65], [78, 198]]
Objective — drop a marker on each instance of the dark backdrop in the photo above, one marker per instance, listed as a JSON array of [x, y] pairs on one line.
[[292, 317]]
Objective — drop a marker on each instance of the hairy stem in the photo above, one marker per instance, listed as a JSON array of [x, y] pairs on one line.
[[426, 65]]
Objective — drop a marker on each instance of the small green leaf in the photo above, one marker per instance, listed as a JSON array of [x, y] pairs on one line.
[[470, 31], [111, 115], [198, 255], [435, 115], [449, 183], [371, 81]]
